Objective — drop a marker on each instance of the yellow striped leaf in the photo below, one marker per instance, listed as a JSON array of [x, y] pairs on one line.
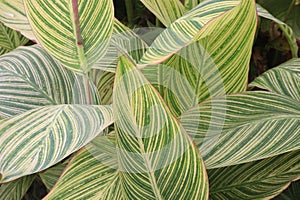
[[75, 32], [166, 11], [284, 79], [261, 179], [12, 14], [244, 127], [215, 64], [10, 39], [51, 175], [30, 77], [93, 173], [189, 4], [37, 139], [157, 159], [15, 190]]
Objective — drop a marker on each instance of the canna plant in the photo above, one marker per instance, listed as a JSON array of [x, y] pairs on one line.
[[91, 109]]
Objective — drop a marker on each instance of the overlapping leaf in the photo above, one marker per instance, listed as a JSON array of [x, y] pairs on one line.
[[156, 157], [93, 173], [15, 190], [10, 39], [30, 77], [76, 32], [51, 175], [284, 79], [12, 14], [37, 139], [244, 127], [166, 11], [215, 65], [262, 179], [190, 27]]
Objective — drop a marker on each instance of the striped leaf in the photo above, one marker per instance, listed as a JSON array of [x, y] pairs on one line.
[[262, 179], [10, 39], [12, 14], [30, 77], [166, 11], [37, 139], [125, 41], [16, 189], [207, 21], [51, 175], [156, 157], [286, 30], [189, 4], [213, 66], [284, 79], [3, 51], [292, 192], [75, 32], [93, 173], [244, 127]]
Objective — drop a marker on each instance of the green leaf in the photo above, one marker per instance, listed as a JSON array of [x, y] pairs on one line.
[[10, 39], [237, 17], [93, 173], [166, 11], [156, 157], [37, 139], [291, 193], [261, 179], [244, 127], [286, 30], [75, 32], [16, 189], [30, 77], [12, 14], [51, 175], [284, 79], [284, 10], [216, 65]]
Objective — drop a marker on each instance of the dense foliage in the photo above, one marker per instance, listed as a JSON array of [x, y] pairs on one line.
[[149, 99]]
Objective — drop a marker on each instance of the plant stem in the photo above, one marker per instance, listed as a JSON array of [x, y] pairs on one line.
[[129, 11]]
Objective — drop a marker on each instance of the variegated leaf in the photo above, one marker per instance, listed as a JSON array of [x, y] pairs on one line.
[[261, 179], [30, 77], [37, 139], [156, 157], [284, 79], [75, 32], [244, 127], [10, 39], [12, 14]]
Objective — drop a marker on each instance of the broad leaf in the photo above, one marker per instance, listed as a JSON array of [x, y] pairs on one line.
[[156, 157], [286, 30], [291, 193], [189, 4], [244, 127], [75, 32], [202, 23], [30, 77], [39, 138], [125, 41], [51, 175], [16, 189], [166, 11], [261, 179], [12, 14], [284, 79], [215, 65], [93, 173], [10, 39]]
